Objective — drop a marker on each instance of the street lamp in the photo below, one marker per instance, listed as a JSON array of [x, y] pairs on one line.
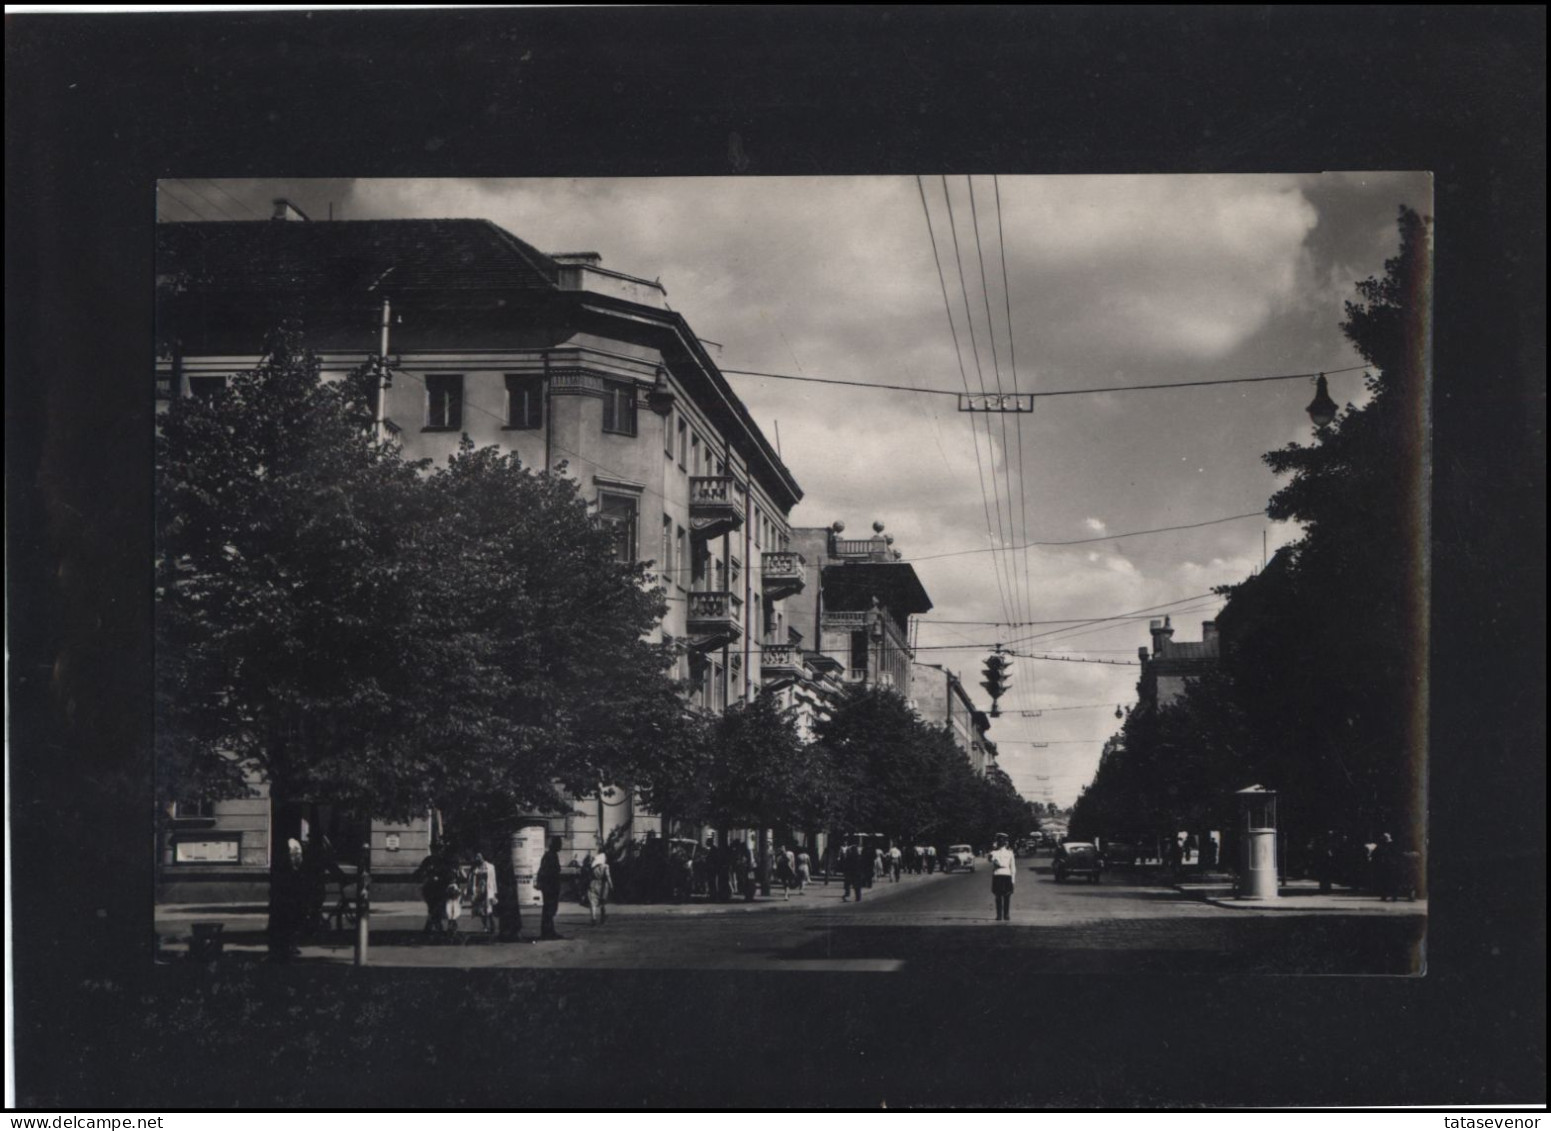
[[1322, 410]]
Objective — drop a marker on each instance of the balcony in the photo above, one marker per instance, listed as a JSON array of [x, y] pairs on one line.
[[714, 506], [715, 619], [780, 663], [783, 573]]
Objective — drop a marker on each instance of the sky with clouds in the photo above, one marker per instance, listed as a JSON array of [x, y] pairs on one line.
[[1111, 281]]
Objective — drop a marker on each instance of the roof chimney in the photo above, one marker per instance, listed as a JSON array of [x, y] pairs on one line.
[[583, 258], [1162, 632], [285, 210], [1209, 636]]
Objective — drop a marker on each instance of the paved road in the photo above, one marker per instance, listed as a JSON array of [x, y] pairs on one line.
[[922, 923]]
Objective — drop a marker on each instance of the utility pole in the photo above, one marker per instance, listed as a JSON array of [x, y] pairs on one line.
[[363, 904]]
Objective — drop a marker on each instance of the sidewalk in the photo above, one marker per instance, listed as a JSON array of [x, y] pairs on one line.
[[174, 921], [1299, 895]]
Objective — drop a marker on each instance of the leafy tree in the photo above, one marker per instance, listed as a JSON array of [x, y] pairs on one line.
[[1320, 692], [355, 627], [760, 773], [1331, 663]]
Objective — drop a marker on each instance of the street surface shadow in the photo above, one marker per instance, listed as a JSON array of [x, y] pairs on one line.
[[1275, 947]]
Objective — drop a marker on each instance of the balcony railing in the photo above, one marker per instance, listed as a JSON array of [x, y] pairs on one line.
[[783, 573], [780, 662], [864, 549], [714, 506], [714, 620]]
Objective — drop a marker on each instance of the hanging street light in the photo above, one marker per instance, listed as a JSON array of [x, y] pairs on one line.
[[1322, 410]]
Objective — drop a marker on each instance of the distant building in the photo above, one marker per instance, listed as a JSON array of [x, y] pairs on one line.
[[859, 613], [1174, 663], [557, 358], [940, 698]]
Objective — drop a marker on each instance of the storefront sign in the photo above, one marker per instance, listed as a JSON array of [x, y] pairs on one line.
[[206, 851], [392, 842]]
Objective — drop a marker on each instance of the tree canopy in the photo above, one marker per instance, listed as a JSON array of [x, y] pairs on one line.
[[354, 626], [1321, 687]]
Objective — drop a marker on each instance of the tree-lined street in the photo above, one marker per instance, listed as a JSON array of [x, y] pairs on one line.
[[1129, 923]]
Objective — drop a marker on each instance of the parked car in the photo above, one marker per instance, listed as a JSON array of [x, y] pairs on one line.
[[1076, 858], [1121, 853], [959, 856]]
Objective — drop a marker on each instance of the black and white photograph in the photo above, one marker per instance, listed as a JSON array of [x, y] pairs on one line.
[[889, 555], [789, 628]]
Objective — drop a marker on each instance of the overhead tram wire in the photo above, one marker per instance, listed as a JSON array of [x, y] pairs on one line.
[[1050, 392], [1105, 537], [958, 354], [1021, 601], [215, 185], [1012, 356], [166, 187], [1009, 602], [194, 189]]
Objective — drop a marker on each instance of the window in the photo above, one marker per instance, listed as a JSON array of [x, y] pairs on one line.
[[619, 407], [772, 623], [667, 435], [193, 810], [618, 513], [683, 443], [759, 526], [444, 401], [701, 567], [665, 562], [681, 559], [859, 651], [206, 386], [524, 401], [694, 455]]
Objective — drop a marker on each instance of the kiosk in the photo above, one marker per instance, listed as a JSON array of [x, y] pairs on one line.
[[1257, 863]]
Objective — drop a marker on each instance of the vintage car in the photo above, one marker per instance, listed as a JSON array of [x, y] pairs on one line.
[[1076, 858], [959, 857]]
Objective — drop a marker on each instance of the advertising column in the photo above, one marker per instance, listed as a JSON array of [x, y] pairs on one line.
[[527, 851]]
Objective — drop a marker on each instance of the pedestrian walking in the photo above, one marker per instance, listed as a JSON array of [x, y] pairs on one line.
[[1004, 874], [804, 870], [896, 860], [600, 886], [482, 892], [438, 876], [287, 904], [548, 883], [748, 878], [786, 872]]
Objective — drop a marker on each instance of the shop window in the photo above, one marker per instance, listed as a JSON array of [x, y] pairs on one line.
[[206, 387]]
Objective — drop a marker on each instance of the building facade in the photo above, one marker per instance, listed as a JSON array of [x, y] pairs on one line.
[[569, 364], [1174, 663], [941, 699]]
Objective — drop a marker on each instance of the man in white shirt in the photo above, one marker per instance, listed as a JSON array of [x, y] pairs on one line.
[[1004, 873]]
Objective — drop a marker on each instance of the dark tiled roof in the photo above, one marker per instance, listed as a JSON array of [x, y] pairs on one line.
[[1189, 650], [350, 260]]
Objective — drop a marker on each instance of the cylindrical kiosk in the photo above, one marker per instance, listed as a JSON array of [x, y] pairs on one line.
[[1258, 863], [527, 853]]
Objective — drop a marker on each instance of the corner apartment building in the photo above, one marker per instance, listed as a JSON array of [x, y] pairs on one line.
[[554, 356]]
